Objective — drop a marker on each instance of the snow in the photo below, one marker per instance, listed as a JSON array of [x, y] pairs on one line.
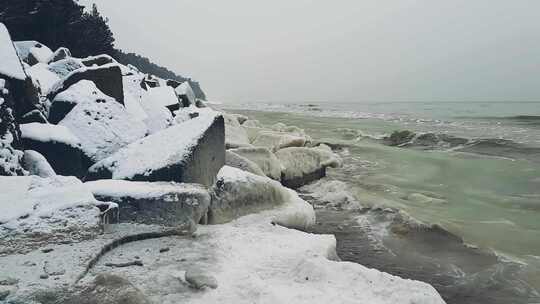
[[41, 73], [332, 193], [64, 67], [185, 89], [234, 160], [11, 64], [264, 158], [256, 262], [140, 190], [35, 197], [82, 91], [167, 147], [42, 54], [161, 96], [133, 95], [49, 133], [37, 164], [101, 123]]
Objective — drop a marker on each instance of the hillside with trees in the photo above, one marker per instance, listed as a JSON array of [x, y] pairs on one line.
[[58, 23]]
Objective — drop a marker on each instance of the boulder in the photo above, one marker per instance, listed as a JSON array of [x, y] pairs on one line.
[[11, 67], [241, 118], [105, 289], [60, 147], [108, 78], [43, 77], [161, 203], [278, 140], [133, 96], [237, 193], [191, 152], [59, 54], [64, 67], [235, 135], [10, 141], [304, 165], [398, 138], [173, 83], [199, 280], [37, 164], [252, 123], [102, 125], [33, 52], [163, 97], [80, 92], [264, 158], [185, 94], [236, 161], [98, 60]]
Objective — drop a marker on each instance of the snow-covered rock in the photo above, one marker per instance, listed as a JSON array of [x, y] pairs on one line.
[[185, 94], [252, 123], [133, 95], [238, 193], [264, 158], [163, 203], [192, 151], [41, 211], [241, 118], [64, 67], [236, 161], [10, 63], [278, 140], [304, 165], [33, 52], [102, 125], [60, 147], [108, 78], [80, 92], [98, 60], [332, 194], [163, 97], [59, 54], [235, 135], [37, 164], [41, 74]]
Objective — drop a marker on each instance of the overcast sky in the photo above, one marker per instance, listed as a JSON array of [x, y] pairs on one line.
[[357, 50]]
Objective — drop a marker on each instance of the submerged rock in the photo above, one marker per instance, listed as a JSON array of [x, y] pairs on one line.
[[264, 158], [399, 138], [191, 152], [168, 204]]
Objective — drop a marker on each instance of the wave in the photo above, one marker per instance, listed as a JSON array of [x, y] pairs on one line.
[[485, 146]]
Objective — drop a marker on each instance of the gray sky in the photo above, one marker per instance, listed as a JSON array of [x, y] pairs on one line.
[[357, 50]]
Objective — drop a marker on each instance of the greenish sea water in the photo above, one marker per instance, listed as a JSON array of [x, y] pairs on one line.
[[484, 187]]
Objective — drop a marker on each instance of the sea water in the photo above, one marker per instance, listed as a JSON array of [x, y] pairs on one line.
[[475, 174]]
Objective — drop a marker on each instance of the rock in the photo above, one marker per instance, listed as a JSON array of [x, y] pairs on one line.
[[102, 125], [42, 77], [277, 140], [64, 67], [80, 92], [4, 293], [236, 161], [150, 81], [252, 123], [173, 83], [191, 152], [161, 250], [241, 118], [238, 193], [11, 67], [9, 281], [47, 250], [108, 289], [107, 78], [264, 158], [59, 54], [197, 279], [200, 104], [33, 116], [58, 145], [10, 140], [37, 164], [161, 203], [98, 60], [304, 165], [163, 97], [399, 138], [44, 276], [235, 135], [33, 52], [185, 94]]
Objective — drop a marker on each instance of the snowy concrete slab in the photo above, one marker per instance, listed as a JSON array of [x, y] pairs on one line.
[[11, 64]]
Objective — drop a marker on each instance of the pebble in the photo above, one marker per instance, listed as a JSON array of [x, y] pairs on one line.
[[164, 249], [46, 250], [44, 276]]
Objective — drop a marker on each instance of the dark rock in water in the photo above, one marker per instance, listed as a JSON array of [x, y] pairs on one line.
[[399, 138], [161, 203], [190, 152], [59, 146], [197, 279], [59, 54], [33, 116], [97, 60], [426, 139], [107, 78]]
